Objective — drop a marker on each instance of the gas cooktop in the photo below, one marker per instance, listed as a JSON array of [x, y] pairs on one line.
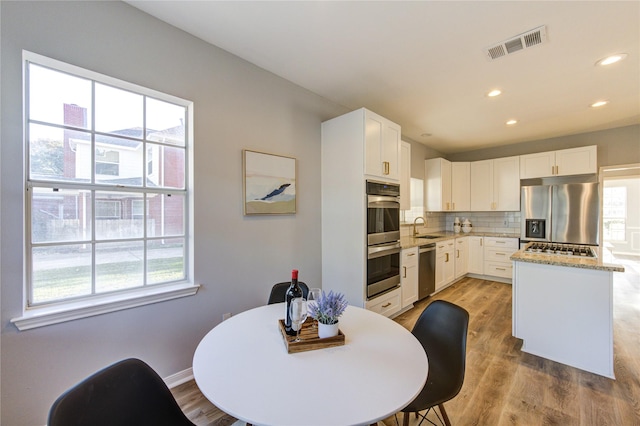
[[561, 249]]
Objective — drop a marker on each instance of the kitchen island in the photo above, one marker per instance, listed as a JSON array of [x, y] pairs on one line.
[[563, 309]]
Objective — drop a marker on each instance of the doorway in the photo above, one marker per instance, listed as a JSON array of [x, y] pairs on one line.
[[620, 219]]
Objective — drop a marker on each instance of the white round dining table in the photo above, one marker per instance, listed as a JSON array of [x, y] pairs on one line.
[[242, 366]]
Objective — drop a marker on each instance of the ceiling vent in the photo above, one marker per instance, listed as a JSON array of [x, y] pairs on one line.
[[523, 41]]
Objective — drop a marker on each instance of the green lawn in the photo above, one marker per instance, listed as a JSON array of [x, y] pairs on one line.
[[75, 281]]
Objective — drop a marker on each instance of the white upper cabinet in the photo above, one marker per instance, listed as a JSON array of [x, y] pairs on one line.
[[577, 161], [405, 176], [446, 185], [574, 161], [460, 188], [495, 184], [382, 147], [481, 185], [437, 185], [506, 184]]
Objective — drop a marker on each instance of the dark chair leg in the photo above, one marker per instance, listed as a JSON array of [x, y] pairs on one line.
[[444, 415], [405, 419]]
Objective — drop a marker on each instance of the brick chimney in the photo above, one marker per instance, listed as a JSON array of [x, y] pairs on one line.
[[76, 116]]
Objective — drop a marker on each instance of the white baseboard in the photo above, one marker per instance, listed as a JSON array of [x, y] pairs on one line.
[[179, 378]]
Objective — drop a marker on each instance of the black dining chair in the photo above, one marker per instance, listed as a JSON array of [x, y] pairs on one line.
[[127, 393], [278, 292], [442, 331]]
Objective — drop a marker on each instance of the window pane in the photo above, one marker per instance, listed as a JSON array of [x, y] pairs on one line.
[[115, 215], [59, 98], [118, 111], [165, 260], [118, 161], [61, 272], [166, 215], [170, 170], [56, 154], [119, 265], [165, 122], [60, 215]]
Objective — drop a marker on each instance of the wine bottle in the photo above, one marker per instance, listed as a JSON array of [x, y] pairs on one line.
[[293, 292]]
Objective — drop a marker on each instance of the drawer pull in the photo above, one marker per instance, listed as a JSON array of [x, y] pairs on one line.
[[500, 254], [500, 269], [500, 242], [386, 305], [411, 254]]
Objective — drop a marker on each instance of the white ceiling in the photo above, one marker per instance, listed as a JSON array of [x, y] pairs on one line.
[[422, 63]]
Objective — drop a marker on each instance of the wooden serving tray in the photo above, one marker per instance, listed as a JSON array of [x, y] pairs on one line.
[[309, 338]]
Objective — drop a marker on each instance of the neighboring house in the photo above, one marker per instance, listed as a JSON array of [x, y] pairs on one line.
[[118, 160]]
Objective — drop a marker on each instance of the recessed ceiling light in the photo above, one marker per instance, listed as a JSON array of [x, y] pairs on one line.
[[599, 104], [612, 59], [494, 93], [511, 122]]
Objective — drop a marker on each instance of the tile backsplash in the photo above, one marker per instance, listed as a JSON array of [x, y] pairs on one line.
[[499, 222]]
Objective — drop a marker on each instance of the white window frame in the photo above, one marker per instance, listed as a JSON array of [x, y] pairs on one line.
[[96, 304]]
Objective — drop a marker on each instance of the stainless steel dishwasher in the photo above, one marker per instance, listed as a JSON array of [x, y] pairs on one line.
[[426, 270]]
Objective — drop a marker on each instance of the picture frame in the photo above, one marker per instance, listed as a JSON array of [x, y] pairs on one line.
[[269, 183]]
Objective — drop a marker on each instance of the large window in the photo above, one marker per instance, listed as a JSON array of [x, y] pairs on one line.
[[107, 199]]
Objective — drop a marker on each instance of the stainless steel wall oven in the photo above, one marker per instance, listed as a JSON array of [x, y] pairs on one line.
[[383, 212], [383, 237]]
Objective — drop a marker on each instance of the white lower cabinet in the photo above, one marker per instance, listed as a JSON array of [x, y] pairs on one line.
[[476, 255], [462, 256], [387, 304], [445, 263], [497, 252], [409, 276]]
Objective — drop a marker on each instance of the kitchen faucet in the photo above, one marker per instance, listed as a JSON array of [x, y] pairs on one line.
[[414, 224]]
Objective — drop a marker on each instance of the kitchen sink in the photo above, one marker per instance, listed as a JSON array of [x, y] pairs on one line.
[[428, 237]]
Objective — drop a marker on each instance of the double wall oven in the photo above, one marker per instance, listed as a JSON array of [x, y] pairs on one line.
[[383, 237]]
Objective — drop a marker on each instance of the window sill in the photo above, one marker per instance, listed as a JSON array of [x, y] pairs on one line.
[[43, 316]]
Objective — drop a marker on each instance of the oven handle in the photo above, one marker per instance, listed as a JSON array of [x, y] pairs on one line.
[[383, 250], [381, 201]]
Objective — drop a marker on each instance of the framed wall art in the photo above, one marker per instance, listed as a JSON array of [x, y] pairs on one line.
[[269, 183]]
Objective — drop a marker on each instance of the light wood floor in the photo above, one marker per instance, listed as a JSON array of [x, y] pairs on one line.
[[504, 386]]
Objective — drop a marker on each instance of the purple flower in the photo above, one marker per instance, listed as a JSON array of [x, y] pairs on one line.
[[328, 308]]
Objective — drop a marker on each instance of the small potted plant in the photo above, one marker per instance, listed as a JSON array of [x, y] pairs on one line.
[[327, 312]]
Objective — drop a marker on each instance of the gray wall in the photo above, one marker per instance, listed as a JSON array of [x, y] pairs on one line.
[[615, 146], [419, 153], [237, 258]]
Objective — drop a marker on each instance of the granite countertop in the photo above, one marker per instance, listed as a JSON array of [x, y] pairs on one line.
[[409, 241], [599, 263]]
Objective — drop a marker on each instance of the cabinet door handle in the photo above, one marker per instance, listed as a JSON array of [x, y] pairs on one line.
[[404, 275], [500, 242], [385, 164], [453, 206], [447, 257], [386, 305], [457, 254]]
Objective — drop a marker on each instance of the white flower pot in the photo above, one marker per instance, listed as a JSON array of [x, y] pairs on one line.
[[327, 330]]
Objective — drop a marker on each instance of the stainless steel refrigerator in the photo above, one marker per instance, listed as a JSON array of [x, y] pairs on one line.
[[566, 213]]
